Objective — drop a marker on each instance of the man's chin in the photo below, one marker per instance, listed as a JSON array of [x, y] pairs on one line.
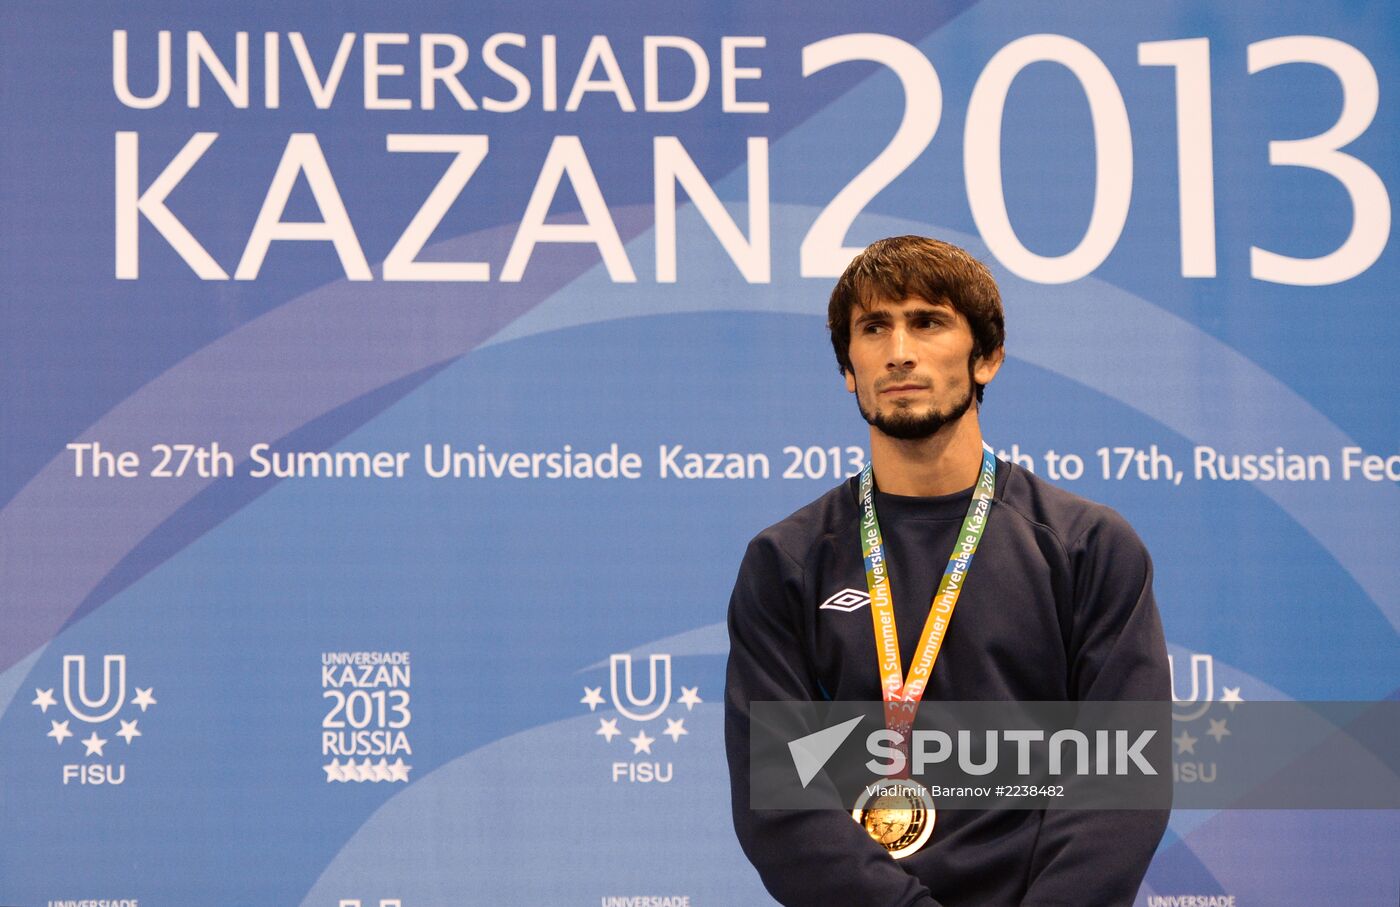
[[905, 424], [909, 426]]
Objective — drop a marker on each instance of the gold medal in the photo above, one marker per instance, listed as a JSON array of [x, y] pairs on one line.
[[898, 815]]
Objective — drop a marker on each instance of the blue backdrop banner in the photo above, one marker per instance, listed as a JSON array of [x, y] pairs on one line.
[[390, 392]]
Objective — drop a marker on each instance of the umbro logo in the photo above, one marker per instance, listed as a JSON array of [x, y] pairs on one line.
[[847, 600]]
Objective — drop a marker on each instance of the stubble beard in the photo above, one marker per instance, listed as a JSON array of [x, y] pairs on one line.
[[906, 425]]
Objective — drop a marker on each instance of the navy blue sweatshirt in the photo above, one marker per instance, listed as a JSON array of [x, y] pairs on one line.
[[1057, 606]]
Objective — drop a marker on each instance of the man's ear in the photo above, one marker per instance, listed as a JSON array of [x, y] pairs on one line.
[[985, 368], [850, 380]]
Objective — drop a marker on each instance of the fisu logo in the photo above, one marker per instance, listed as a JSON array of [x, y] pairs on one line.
[[656, 699], [112, 703], [641, 710], [1196, 746], [103, 741]]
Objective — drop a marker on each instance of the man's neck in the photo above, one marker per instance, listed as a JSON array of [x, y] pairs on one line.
[[945, 463]]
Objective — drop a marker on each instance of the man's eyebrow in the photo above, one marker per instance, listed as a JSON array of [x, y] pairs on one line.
[[924, 309], [872, 315]]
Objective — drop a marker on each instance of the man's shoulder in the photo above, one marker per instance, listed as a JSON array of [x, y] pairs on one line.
[[795, 534], [1076, 521]]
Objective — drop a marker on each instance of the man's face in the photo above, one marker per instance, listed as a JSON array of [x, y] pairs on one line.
[[912, 369]]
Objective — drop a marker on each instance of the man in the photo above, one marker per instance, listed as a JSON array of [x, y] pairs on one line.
[[1056, 604]]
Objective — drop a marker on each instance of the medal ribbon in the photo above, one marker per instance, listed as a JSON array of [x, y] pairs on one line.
[[902, 694]]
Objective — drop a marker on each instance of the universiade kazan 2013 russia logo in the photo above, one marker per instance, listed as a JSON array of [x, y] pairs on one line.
[[642, 713], [112, 720], [368, 716]]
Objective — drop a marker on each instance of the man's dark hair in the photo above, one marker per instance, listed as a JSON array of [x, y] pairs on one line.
[[904, 266]]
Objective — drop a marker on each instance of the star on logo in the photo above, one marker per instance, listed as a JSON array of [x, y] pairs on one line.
[[94, 745], [689, 697], [60, 731], [333, 771], [382, 772], [608, 728], [398, 771], [1231, 697], [143, 698], [592, 697], [641, 743], [1185, 743], [44, 699], [128, 731], [1218, 729], [674, 729]]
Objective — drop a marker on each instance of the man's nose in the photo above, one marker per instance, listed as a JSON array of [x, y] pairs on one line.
[[901, 350]]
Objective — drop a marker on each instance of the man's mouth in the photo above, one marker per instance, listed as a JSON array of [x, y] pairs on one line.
[[903, 388]]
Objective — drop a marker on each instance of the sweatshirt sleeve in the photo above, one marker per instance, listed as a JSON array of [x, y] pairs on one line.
[[804, 857], [1117, 652]]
